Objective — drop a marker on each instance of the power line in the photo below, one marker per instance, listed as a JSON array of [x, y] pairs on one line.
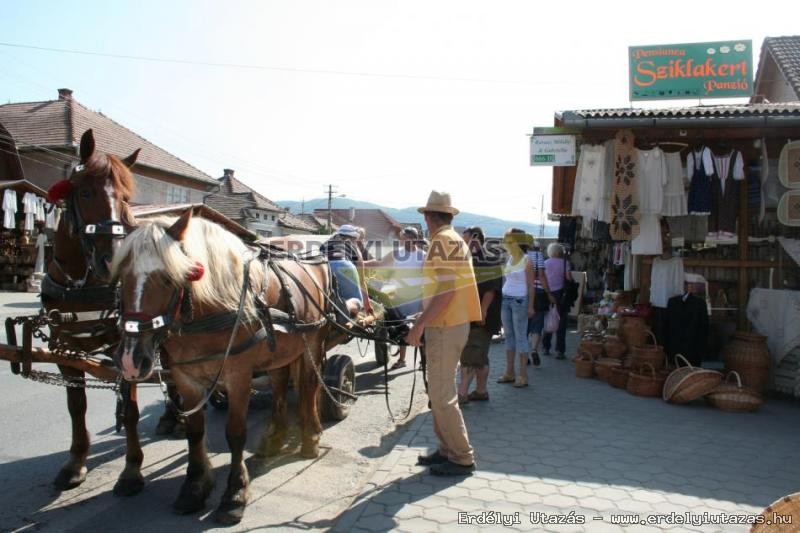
[[245, 66]]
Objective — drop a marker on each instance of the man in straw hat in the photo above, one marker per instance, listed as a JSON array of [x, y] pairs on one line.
[[451, 303]]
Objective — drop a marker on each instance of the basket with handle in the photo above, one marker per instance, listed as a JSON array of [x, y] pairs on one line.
[[646, 353], [614, 347], [618, 376], [603, 366], [591, 344], [645, 382], [584, 365], [687, 383], [734, 397], [788, 508]]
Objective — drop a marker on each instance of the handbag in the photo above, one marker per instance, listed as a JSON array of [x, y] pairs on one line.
[[552, 320], [571, 288]]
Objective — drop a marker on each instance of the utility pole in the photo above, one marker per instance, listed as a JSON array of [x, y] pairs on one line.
[[541, 225], [330, 192]]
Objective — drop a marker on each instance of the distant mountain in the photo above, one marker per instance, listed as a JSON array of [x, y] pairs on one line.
[[493, 227]]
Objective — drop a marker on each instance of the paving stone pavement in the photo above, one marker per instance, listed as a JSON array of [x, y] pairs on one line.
[[579, 450]]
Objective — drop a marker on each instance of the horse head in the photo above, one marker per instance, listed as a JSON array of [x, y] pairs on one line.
[[97, 214], [164, 266]]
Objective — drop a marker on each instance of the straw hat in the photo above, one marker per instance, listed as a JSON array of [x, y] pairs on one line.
[[439, 202]]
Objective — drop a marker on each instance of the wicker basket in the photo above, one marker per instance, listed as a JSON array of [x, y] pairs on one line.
[[647, 383], [618, 377], [687, 383], [748, 355], [644, 354], [591, 344], [603, 366], [584, 365], [632, 331], [730, 397], [786, 507], [614, 347]]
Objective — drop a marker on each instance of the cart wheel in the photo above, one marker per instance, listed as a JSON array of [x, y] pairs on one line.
[[381, 353], [219, 400], [338, 373]]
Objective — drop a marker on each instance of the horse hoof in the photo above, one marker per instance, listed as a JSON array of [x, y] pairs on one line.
[[229, 513], [193, 496], [69, 478], [310, 451], [129, 486]]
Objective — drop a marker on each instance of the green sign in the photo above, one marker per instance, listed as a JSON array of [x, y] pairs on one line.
[[699, 70]]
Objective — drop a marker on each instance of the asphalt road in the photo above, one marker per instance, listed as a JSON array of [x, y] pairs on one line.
[[287, 493]]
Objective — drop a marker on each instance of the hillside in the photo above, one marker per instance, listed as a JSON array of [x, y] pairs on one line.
[[494, 227]]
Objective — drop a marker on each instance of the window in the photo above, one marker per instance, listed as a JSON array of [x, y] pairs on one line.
[[177, 195]]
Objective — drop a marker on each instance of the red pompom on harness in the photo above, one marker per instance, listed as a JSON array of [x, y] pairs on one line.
[[196, 272], [59, 191]]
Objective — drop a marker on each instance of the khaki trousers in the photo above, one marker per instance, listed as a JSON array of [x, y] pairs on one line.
[[443, 347]]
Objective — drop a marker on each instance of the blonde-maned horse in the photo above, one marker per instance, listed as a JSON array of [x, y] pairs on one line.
[[187, 275]]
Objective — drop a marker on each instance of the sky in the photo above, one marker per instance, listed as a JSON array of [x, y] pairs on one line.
[[384, 100]]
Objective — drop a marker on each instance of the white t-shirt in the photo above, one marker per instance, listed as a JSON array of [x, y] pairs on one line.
[[515, 284], [666, 280]]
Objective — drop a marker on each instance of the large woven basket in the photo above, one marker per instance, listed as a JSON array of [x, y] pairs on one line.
[[614, 347], [584, 365], [647, 383], [603, 366], [782, 516], [748, 355], [591, 344], [734, 397], [632, 331], [618, 376], [648, 354], [687, 383]]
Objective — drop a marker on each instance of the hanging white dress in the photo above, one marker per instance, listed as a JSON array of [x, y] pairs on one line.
[[652, 173], [674, 190], [648, 242], [29, 206], [9, 209], [41, 240]]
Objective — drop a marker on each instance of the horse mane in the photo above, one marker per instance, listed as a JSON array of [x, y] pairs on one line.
[[150, 248]]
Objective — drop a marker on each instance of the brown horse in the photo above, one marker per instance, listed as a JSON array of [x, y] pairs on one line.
[[191, 276], [77, 284]]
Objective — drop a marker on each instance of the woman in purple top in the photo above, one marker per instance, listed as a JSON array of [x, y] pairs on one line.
[[556, 270]]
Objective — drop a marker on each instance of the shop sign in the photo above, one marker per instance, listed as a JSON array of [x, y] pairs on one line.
[[720, 69], [552, 147]]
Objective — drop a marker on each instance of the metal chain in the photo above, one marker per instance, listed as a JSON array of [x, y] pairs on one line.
[[60, 348], [51, 378]]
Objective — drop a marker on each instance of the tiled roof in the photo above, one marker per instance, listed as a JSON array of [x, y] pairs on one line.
[[204, 211], [376, 222], [60, 123], [234, 198], [317, 222], [744, 110], [295, 222], [786, 52], [232, 207]]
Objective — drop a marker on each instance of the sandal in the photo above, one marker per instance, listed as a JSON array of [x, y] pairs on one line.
[[398, 364], [476, 396], [506, 378]]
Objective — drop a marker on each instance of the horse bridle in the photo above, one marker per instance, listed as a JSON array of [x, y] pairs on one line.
[[88, 232]]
